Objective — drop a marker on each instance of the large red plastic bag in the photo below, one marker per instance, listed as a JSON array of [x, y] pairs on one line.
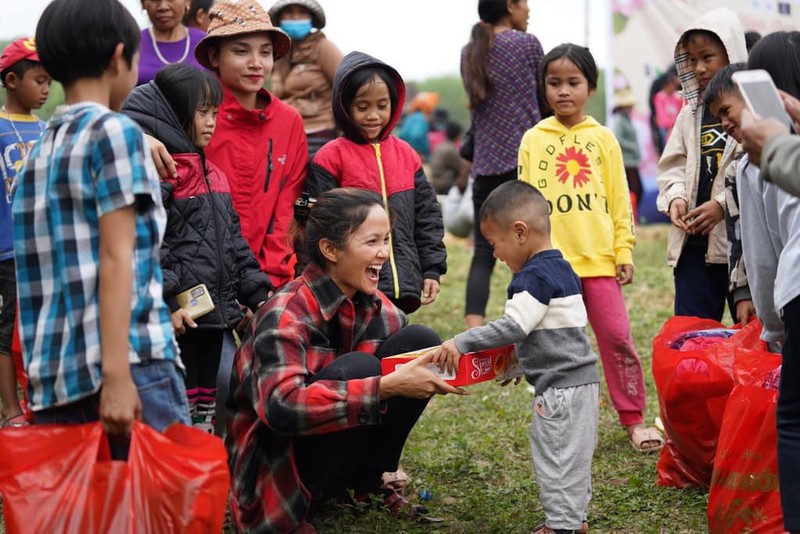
[[744, 494], [59, 478], [693, 388]]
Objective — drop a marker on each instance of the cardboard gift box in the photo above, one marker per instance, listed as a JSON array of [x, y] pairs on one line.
[[473, 367]]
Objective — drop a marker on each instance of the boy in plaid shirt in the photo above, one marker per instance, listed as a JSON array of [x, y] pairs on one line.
[[88, 224]]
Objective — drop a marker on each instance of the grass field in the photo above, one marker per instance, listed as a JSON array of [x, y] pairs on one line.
[[472, 452]]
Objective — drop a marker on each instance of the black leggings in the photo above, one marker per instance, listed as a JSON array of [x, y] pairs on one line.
[[788, 416], [483, 260], [356, 458]]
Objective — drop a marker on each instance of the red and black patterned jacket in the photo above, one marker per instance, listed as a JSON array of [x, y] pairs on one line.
[[300, 330], [392, 169]]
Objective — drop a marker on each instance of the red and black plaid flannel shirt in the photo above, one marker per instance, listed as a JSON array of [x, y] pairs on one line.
[[300, 330]]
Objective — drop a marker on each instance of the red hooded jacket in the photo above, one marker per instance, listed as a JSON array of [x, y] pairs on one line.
[[264, 154]]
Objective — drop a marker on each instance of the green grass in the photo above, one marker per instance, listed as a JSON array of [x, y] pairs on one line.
[[472, 452]]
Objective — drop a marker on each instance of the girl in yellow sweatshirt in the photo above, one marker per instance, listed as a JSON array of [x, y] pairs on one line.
[[577, 165]]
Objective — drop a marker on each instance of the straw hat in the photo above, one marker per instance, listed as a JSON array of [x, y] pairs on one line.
[[317, 14], [238, 17], [624, 98]]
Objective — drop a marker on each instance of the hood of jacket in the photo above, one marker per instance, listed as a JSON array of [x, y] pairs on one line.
[[553, 125], [353, 62], [150, 109], [725, 24]]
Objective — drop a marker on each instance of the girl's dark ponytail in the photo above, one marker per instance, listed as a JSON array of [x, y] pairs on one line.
[[479, 84]]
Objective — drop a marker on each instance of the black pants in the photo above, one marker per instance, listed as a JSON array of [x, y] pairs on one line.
[[356, 458], [483, 260], [788, 417], [701, 290]]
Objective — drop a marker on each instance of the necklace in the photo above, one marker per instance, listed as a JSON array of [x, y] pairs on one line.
[[158, 52], [23, 147]]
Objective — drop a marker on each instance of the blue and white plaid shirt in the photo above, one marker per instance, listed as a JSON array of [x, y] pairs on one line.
[[89, 162]]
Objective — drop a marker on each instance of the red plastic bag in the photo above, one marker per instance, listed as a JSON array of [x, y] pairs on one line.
[[744, 494], [19, 369], [693, 387], [60, 478]]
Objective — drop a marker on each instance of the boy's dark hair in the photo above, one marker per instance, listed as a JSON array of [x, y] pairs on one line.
[[750, 39], [196, 6], [334, 216], [779, 54], [517, 200], [452, 130], [77, 38], [722, 83], [366, 75], [579, 55], [188, 89], [687, 37], [19, 68]]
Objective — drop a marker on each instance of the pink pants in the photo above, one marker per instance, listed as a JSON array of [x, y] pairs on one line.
[[622, 367]]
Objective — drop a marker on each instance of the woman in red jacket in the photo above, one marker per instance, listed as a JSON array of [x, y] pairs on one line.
[[260, 142]]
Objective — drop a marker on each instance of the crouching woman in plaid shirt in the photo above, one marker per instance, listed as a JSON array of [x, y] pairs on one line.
[[310, 415]]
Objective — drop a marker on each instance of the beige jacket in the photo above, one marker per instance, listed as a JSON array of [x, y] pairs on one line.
[[679, 167], [304, 77]]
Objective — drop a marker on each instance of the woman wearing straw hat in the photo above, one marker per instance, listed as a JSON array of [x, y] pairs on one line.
[[303, 78]]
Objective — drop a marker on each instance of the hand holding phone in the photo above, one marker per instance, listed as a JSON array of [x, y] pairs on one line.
[[761, 95]]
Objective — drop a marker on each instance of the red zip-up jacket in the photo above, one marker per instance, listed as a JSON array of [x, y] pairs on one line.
[[264, 154]]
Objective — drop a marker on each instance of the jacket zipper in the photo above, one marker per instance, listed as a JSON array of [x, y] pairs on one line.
[[217, 224], [384, 196]]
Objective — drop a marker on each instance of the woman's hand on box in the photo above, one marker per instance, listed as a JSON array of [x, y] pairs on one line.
[[414, 380]]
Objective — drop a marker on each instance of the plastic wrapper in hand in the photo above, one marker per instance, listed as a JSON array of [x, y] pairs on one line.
[[745, 494], [60, 478], [693, 387]]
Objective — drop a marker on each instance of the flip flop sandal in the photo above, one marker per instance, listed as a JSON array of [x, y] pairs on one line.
[[641, 436], [401, 507], [15, 421], [539, 528]]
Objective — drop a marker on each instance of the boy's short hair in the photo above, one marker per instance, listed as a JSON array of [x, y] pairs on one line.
[[722, 83], [452, 130], [77, 38], [517, 201], [691, 34], [19, 68]]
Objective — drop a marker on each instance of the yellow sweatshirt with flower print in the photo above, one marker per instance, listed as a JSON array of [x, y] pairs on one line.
[[579, 171]]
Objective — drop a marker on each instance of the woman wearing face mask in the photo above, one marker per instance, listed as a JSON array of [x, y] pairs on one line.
[[167, 40], [303, 78]]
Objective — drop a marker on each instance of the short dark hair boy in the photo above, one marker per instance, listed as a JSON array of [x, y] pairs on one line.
[[88, 225]]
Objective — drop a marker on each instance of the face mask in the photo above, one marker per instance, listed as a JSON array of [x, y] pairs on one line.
[[297, 29]]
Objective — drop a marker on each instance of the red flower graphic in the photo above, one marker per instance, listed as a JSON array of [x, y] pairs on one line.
[[573, 162]]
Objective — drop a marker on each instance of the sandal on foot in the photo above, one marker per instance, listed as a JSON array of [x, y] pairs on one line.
[[542, 528], [399, 506], [15, 421], [645, 440], [396, 480]]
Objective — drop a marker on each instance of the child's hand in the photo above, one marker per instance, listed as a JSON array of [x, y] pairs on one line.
[[745, 311], [430, 288], [704, 217], [677, 213], [447, 356], [165, 165], [624, 274], [119, 405], [180, 320]]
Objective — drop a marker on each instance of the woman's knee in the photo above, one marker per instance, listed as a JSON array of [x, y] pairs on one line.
[[350, 366], [412, 337]]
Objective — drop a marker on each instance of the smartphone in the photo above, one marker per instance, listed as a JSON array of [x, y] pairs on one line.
[[761, 95], [196, 301]]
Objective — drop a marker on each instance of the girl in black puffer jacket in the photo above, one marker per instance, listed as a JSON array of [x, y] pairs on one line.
[[203, 242]]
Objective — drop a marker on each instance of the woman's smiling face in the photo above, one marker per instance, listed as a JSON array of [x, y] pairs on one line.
[[357, 266]]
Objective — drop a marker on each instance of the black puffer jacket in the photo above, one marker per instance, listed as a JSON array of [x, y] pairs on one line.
[[392, 169], [203, 243]]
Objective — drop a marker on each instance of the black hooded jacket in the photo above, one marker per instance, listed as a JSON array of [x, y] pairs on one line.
[[392, 169], [203, 243]]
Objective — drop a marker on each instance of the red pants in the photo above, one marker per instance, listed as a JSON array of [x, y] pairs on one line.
[[622, 367]]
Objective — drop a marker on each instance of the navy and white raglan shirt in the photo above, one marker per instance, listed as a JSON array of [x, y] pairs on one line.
[[546, 318]]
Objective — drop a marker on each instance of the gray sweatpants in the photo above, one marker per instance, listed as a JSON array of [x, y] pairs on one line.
[[563, 438]]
